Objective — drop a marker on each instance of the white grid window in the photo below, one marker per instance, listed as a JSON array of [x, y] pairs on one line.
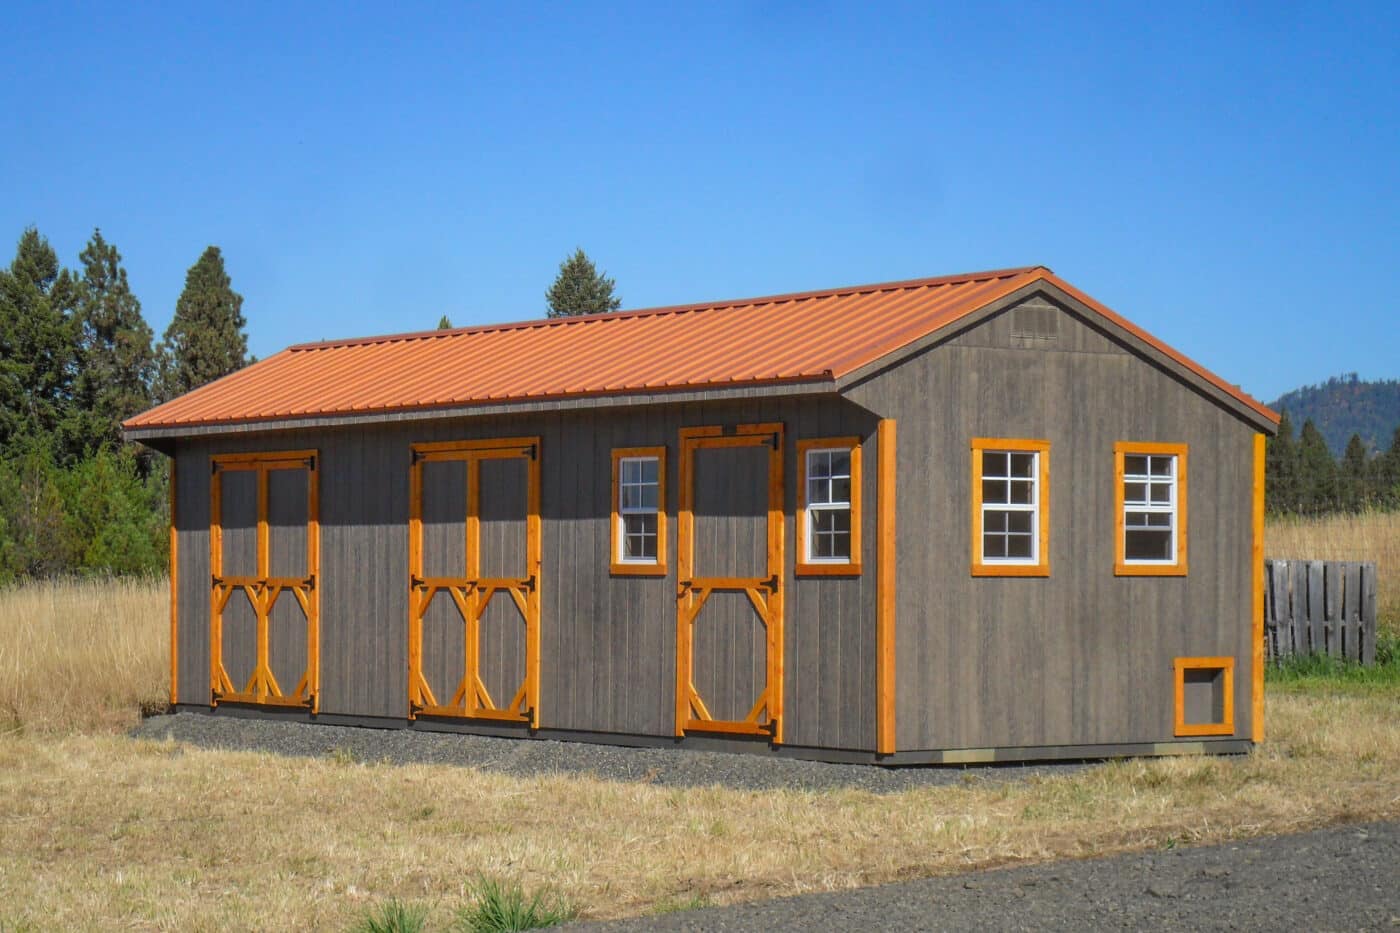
[[829, 506], [1149, 508], [638, 494], [1010, 506]]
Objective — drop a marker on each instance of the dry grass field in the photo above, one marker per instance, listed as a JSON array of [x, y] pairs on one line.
[[97, 830], [1367, 536]]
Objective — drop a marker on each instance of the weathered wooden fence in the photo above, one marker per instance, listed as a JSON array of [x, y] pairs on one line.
[[1320, 607]]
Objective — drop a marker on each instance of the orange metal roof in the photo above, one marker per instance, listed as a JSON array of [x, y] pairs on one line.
[[793, 338]]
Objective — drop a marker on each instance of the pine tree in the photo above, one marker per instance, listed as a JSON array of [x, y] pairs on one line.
[[1281, 469], [118, 361], [444, 323], [1317, 471], [1355, 475], [37, 343], [1386, 474], [205, 339], [580, 289]]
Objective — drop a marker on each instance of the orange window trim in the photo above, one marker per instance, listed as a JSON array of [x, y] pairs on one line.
[[1122, 567], [805, 567], [1226, 726], [616, 565], [1041, 568]]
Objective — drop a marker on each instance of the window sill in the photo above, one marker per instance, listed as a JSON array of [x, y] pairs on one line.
[[805, 569], [1149, 570], [621, 569], [1011, 570]]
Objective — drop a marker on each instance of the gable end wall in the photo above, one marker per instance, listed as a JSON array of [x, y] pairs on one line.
[[1080, 657]]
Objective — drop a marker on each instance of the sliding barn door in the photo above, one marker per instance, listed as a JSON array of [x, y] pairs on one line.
[[729, 646], [264, 550], [474, 580]]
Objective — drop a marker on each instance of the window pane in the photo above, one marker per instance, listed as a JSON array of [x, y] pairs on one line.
[[1019, 522], [1135, 493], [818, 463], [1159, 520], [841, 545], [628, 497], [639, 537], [1023, 465], [994, 521], [1147, 545], [993, 463], [1162, 493], [649, 496], [993, 545], [841, 490], [646, 470], [1135, 465], [841, 463], [630, 471], [994, 491], [1022, 491], [1162, 466], [831, 520], [1018, 546]]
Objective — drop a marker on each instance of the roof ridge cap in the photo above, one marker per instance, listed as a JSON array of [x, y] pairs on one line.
[[933, 281]]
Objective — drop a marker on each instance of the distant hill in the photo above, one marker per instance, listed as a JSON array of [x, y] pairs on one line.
[[1345, 405]]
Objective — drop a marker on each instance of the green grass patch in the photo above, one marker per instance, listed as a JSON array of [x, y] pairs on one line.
[[394, 916], [1316, 672], [498, 907]]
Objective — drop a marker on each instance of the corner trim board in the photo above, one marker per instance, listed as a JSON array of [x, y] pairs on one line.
[[174, 592], [1256, 602], [887, 579]]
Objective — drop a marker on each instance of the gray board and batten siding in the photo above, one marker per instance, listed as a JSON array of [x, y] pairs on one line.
[[608, 642], [1080, 662], [1081, 657]]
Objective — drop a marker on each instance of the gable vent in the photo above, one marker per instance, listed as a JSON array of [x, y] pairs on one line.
[[1034, 325]]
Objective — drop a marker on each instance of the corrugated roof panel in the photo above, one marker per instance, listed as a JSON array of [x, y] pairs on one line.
[[803, 336]]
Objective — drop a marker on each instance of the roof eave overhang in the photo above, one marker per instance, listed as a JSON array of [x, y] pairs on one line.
[[1256, 414], [153, 434]]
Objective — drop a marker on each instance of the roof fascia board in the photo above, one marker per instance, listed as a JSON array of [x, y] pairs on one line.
[[531, 406], [1077, 307]]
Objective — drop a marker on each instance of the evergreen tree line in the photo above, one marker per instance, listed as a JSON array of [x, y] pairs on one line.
[[76, 359], [1302, 477]]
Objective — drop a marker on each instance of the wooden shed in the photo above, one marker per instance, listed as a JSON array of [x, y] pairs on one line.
[[934, 521]]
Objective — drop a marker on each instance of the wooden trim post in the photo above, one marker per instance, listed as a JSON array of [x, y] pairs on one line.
[[885, 558], [174, 593], [1256, 600]]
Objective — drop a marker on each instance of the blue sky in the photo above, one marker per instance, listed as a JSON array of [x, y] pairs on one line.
[[1224, 176]]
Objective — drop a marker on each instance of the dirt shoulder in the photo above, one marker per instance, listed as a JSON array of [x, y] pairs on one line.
[[1343, 878]]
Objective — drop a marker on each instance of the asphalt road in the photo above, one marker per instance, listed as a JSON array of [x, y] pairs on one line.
[[1343, 878]]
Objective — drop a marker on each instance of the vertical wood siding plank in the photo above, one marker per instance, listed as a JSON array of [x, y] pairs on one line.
[[1349, 575]]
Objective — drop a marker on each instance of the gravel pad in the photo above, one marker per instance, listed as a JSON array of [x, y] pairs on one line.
[[1344, 878], [673, 767]]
